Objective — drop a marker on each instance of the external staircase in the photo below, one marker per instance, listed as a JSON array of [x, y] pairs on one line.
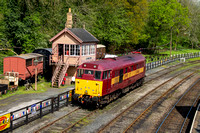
[[59, 73]]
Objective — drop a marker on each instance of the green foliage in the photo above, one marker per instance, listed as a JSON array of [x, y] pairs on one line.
[[119, 24], [166, 16]]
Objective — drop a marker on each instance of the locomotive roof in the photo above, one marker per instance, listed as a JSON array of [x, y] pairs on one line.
[[117, 62], [27, 56]]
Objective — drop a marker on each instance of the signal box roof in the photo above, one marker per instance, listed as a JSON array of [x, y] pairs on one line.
[[81, 35], [27, 56], [114, 63]]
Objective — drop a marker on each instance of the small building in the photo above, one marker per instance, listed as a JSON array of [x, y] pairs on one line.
[[24, 65], [101, 51], [70, 48]]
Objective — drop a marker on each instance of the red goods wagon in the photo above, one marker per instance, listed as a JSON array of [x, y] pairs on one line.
[[104, 80], [24, 65]]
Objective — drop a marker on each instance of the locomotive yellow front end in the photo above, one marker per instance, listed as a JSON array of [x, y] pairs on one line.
[[88, 86]]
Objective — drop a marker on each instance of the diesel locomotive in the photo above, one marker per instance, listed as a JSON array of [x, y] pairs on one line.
[[102, 81]]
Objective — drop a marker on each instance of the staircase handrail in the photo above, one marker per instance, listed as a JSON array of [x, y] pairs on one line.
[[66, 65], [56, 72]]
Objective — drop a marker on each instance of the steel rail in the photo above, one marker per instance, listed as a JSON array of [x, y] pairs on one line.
[[134, 104], [68, 128], [51, 123], [174, 86], [188, 114], [194, 83]]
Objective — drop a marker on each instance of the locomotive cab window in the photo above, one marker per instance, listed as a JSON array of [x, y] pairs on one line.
[[80, 73], [89, 72], [109, 72], [105, 76], [97, 75]]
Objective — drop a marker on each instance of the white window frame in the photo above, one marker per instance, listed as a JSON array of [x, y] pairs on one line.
[[88, 49], [66, 49]]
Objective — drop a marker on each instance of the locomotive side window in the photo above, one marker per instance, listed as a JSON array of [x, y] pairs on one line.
[[29, 62], [97, 74], [126, 70], [105, 75], [80, 72], [121, 76], [89, 72], [131, 68]]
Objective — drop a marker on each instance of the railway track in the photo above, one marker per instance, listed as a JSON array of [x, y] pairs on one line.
[[66, 122], [73, 119], [178, 118], [136, 110]]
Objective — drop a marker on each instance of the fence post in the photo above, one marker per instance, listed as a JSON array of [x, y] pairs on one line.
[[52, 102], [58, 104], [67, 99], [27, 115], [11, 121], [41, 109]]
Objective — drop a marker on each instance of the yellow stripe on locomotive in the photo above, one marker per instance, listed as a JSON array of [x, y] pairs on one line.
[[88, 87]]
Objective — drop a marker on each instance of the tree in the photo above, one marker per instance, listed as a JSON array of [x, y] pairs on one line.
[[166, 17]]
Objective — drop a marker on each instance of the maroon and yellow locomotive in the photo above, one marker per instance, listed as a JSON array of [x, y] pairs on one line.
[[102, 81]]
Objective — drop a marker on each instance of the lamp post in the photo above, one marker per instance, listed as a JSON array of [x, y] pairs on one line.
[[36, 63]]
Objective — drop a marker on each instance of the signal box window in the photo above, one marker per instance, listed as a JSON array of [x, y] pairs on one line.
[[80, 72], [97, 74], [105, 75], [89, 72]]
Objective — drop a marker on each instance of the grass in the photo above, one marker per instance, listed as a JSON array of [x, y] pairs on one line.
[[193, 59], [182, 51]]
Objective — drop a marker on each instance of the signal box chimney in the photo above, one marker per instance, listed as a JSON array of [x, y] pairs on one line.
[[69, 21]]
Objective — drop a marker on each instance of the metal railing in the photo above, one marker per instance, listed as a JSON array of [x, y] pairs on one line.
[[165, 60], [38, 110]]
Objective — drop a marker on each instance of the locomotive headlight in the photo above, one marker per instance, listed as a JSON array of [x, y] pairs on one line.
[[84, 65], [95, 66]]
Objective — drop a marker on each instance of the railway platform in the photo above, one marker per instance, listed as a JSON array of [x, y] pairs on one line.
[[19, 101]]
